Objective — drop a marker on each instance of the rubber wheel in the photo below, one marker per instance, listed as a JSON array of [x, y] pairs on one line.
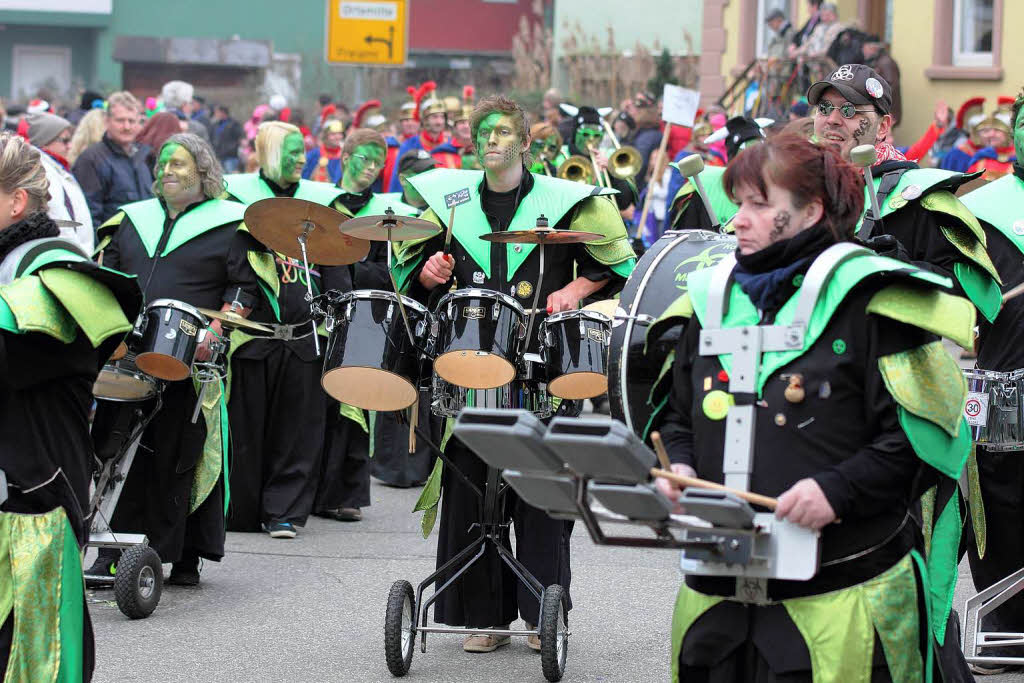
[[399, 628], [554, 633], [139, 582]]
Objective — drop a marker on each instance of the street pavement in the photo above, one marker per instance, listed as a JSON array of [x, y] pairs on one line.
[[312, 609]]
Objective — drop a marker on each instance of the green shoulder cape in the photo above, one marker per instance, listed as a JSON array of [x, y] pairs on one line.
[[148, 218], [249, 188]]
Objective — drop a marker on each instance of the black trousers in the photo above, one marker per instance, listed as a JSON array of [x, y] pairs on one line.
[[277, 432], [1001, 476], [345, 472], [157, 491], [488, 593], [392, 463]]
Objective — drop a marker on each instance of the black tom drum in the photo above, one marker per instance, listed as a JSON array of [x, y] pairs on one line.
[[478, 337], [370, 362], [170, 337], [575, 349]]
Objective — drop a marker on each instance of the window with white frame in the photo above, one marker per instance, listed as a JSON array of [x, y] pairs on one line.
[[972, 32], [764, 32]]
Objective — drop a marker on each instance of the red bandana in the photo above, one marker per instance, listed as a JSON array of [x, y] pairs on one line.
[[887, 152]]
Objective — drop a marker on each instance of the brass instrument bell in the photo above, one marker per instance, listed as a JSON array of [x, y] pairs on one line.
[[576, 168]]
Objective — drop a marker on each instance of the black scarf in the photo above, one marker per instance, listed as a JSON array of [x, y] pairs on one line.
[[767, 276], [1018, 170], [355, 201], [33, 227]]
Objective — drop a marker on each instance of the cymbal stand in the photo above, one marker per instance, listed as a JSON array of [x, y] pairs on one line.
[[307, 227], [390, 223], [542, 222]]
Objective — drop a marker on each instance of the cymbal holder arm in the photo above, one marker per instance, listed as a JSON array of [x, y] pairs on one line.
[[307, 227]]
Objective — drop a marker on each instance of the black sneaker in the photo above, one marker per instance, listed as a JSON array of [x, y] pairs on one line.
[[280, 529], [104, 568], [185, 572]]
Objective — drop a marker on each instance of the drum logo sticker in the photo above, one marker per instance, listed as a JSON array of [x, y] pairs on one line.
[[478, 277], [474, 312], [188, 328], [976, 409], [524, 289], [704, 259], [596, 335], [171, 333]]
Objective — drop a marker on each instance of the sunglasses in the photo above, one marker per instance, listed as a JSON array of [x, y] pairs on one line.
[[847, 109]]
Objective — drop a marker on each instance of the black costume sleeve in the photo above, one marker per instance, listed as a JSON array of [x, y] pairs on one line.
[[693, 215], [626, 195], [112, 252], [881, 474], [918, 232], [416, 290], [241, 278], [372, 272], [676, 425]]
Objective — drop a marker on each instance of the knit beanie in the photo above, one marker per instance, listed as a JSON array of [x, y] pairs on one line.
[[44, 128]]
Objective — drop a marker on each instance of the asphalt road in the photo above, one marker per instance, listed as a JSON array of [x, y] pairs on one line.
[[312, 609]]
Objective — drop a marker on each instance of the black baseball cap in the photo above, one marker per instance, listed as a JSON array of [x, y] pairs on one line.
[[416, 161], [858, 83]]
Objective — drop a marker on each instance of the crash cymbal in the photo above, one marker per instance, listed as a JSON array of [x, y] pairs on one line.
[[402, 227], [232, 319], [541, 236], [280, 221]]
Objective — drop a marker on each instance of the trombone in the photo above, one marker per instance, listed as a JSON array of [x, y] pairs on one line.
[[576, 168], [625, 162]]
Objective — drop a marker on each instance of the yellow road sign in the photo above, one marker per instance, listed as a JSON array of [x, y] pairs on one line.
[[367, 31]]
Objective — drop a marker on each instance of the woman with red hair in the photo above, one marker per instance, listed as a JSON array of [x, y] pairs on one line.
[[158, 128], [850, 383]]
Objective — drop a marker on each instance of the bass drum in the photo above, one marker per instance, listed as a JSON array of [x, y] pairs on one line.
[[658, 279]]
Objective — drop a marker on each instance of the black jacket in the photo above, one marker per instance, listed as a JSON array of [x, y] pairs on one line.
[[224, 135], [110, 178]]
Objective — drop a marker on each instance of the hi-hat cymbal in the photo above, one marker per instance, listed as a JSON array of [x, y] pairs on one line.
[[375, 228], [541, 236], [280, 221], [232, 319]]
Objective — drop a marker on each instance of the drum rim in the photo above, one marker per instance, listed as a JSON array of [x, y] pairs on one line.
[[477, 293], [137, 374], [413, 384], [576, 313], [379, 294], [177, 305]]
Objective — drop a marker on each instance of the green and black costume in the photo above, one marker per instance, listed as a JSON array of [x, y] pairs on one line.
[[488, 594], [61, 316], [878, 427], [178, 494], [998, 206], [277, 406]]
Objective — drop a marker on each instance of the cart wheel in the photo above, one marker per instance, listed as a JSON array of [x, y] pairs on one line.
[[399, 629], [138, 582], [554, 633]]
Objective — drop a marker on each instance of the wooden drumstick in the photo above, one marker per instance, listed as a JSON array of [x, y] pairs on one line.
[[666, 473], [659, 448], [755, 498], [1015, 292]]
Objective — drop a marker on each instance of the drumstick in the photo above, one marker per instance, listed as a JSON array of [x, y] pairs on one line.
[[755, 498], [1015, 292], [448, 233], [659, 448]]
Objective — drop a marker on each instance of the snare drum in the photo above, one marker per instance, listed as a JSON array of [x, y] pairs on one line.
[[478, 336], [575, 349], [525, 392], [370, 362], [170, 337], [122, 381], [993, 408]]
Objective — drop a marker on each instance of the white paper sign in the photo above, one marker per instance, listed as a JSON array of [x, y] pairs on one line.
[[679, 105], [976, 408]]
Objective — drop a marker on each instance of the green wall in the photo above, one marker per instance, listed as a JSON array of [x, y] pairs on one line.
[[292, 27], [80, 40]]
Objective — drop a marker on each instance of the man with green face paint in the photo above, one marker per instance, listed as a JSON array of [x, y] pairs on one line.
[[587, 134], [277, 407], [505, 196], [545, 149], [344, 482], [185, 245], [999, 207]]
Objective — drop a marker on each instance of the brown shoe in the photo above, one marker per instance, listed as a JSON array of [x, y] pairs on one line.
[[532, 642], [342, 514], [484, 643]]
